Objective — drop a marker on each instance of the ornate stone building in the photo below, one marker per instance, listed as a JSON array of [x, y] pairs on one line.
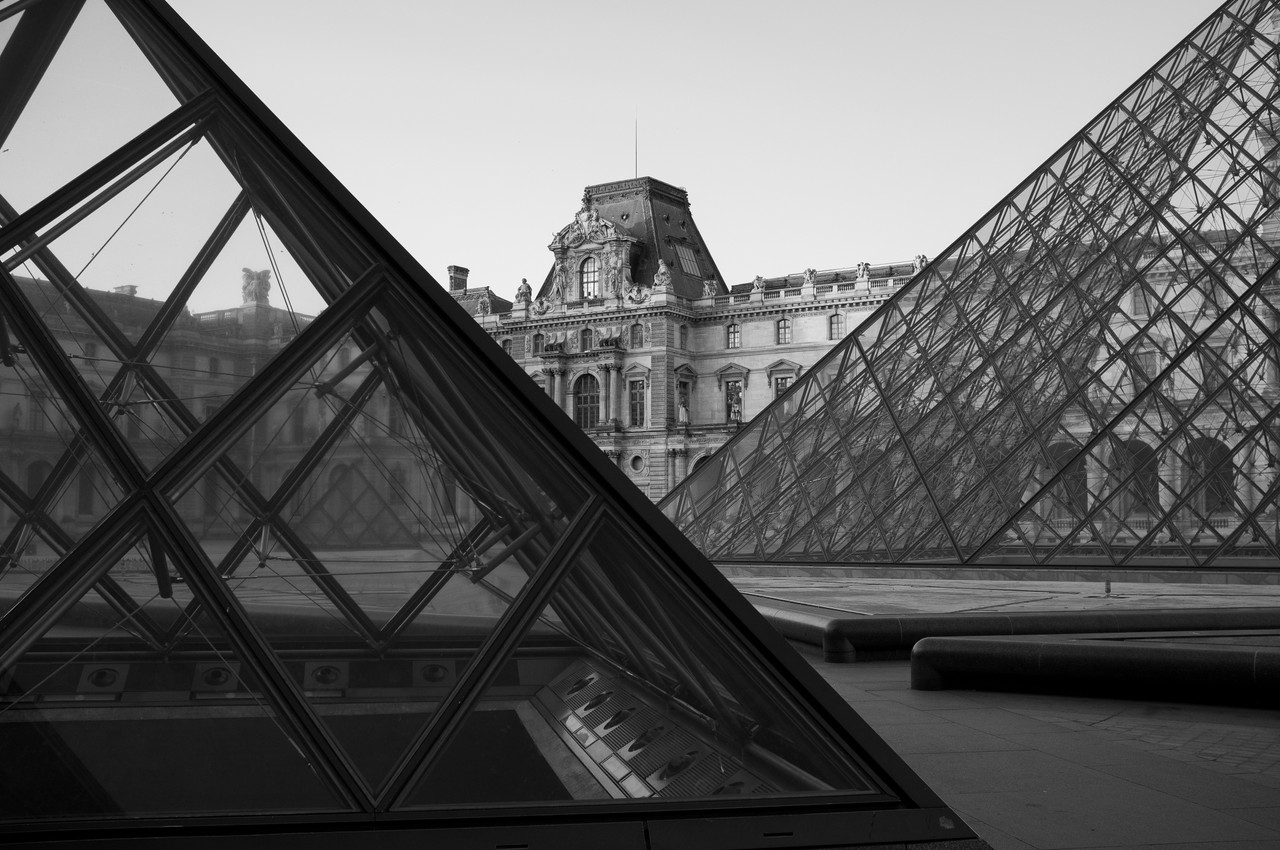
[[637, 336]]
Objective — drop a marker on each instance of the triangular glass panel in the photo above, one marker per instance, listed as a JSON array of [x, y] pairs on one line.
[[110, 716], [653, 700], [325, 525], [1123, 300]]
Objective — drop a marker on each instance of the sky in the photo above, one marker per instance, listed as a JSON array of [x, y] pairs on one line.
[[809, 134]]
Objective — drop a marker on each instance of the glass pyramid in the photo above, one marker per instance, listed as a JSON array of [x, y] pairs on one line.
[[288, 547], [1089, 376]]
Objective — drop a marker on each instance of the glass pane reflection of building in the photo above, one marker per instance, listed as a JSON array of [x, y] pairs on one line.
[[1089, 376], [283, 534]]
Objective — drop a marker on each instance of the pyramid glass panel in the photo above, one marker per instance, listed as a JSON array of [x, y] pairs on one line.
[[1099, 380], [285, 541]]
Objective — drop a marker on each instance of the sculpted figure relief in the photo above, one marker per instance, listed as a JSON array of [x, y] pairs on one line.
[[757, 285], [919, 262], [708, 288], [255, 286], [662, 277], [863, 270], [810, 277], [524, 291]]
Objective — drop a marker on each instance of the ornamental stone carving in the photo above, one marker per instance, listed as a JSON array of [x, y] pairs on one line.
[[587, 226], [255, 286], [662, 277], [637, 294], [918, 263], [708, 288], [524, 291], [484, 306], [757, 285], [863, 271], [810, 277]]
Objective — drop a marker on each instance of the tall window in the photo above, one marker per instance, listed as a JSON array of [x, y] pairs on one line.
[[684, 336], [589, 277], [733, 401], [585, 339], [782, 333], [215, 366], [635, 395], [1142, 493], [35, 411], [835, 327], [1144, 366], [682, 401], [1212, 471], [586, 401], [1141, 303], [537, 343], [733, 336], [780, 384], [688, 261], [84, 493], [637, 336], [1071, 498], [506, 347]]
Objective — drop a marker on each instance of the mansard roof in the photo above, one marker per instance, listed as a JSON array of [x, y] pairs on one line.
[[657, 216]]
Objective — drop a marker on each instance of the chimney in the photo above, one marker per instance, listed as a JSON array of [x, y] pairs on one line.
[[458, 278], [127, 289]]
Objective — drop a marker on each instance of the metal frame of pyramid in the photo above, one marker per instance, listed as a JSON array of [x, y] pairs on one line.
[[268, 577], [1090, 376]]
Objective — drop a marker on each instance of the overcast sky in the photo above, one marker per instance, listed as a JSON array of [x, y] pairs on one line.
[[808, 134]]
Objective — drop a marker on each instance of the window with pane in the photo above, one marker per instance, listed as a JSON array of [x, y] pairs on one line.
[[783, 332], [506, 347], [684, 336], [637, 336], [589, 278], [835, 326], [733, 336], [215, 366], [586, 401], [780, 384], [1141, 303], [537, 343], [635, 396], [585, 338], [688, 260], [733, 401]]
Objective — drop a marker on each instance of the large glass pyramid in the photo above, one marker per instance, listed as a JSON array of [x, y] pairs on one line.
[[289, 548], [1090, 375]]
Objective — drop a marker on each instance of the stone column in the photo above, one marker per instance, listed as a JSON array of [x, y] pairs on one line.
[[1169, 486], [1097, 478], [682, 464], [606, 396], [619, 396], [551, 382], [562, 391]]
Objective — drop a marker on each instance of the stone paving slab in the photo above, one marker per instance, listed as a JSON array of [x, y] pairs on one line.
[[870, 596], [1052, 772]]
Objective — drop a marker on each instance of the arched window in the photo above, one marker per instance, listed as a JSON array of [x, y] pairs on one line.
[[585, 338], [1212, 474], [586, 401], [733, 336], [589, 277], [637, 336], [1070, 493], [783, 332], [835, 327], [1142, 492], [537, 343], [506, 347]]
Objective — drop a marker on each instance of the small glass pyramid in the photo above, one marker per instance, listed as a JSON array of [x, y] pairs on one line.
[[288, 547], [1089, 376]]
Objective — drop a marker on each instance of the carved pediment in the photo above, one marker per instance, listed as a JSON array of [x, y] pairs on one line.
[[587, 227]]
